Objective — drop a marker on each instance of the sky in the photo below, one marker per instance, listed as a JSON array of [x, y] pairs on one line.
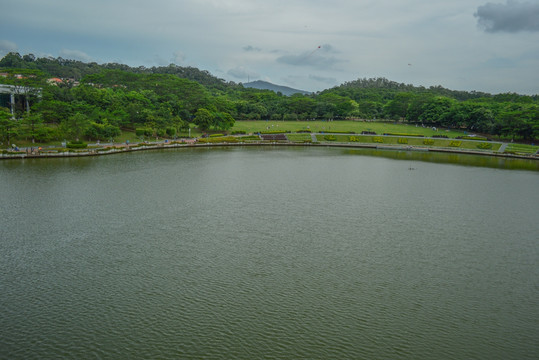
[[471, 45]]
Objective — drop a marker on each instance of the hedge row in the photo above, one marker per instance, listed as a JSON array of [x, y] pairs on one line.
[[275, 132], [336, 132], [226, 139], [77, 145], [480, 138], [403, 134]]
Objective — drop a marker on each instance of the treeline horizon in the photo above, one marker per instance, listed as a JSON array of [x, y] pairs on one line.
[[100, 100]]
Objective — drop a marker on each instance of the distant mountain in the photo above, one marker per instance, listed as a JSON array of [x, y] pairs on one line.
[[264, 85]]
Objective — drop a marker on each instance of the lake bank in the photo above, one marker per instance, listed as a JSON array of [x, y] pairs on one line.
[[107, 149]]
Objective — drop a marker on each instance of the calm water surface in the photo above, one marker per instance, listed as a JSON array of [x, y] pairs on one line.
[[269, 253]]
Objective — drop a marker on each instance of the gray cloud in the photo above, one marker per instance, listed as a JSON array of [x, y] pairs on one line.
[[249, 48], [7, 47], [322, 79], [75, 55], [178, 58], [240, 72], [500, 62], [511, 17], [320, 57]]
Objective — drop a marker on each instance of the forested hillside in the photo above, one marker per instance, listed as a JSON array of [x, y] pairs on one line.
[[89, 100]]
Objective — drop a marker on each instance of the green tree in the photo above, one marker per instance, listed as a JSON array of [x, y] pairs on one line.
[[8, 126], [223, 121], [203, 119], [76, 125], [32, 122], [397, 107]]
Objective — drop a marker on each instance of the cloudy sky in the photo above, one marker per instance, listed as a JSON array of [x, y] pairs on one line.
[[306, 44]]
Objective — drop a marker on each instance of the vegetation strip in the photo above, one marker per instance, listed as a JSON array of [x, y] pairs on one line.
[[237, 141]]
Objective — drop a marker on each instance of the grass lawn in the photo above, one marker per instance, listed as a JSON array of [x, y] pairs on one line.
[[299, 137], [406, 141], [341, 126], [521, 148], [329, 128]]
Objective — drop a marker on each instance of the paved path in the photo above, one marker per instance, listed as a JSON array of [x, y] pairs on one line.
[[502, 148]]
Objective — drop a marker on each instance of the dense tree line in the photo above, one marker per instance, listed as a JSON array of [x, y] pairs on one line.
[[97, 101]]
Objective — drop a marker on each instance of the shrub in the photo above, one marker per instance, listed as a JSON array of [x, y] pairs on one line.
[[353, 139], [303, 131], [428, 142], [214, 140], [455, 143], [484, 146], [403, 134], [238, 132], [160, 132], [440, 136], [216, 135], [274, 132], [402, 141], [249, 137], [77, 145], [144, 132], [480, 138], [378, 139], [171, 131], [330, 138], [368, 133], [337, 132]]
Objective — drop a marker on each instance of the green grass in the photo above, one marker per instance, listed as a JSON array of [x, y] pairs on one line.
[[521, 148], [341, 125], [299, 137], [411, 141]]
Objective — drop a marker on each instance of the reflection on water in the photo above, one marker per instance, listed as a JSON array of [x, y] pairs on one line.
[[453, 158]]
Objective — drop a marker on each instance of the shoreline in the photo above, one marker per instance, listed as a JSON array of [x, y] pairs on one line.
[[123, 148]]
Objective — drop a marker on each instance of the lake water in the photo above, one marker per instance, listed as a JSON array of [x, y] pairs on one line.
[[246, 253]]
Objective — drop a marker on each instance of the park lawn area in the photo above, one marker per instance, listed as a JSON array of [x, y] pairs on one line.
[[521, 148], [404, 141], [344, 126], [299, 137]]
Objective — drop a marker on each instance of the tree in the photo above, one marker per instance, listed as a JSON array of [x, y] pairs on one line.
[[399, 105], [223, 121], [32, 122], [203, 119], [76, 125], [8, 126]]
